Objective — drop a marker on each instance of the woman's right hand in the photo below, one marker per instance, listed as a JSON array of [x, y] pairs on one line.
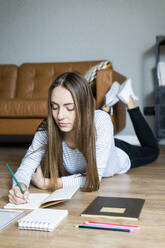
[[15, 195]]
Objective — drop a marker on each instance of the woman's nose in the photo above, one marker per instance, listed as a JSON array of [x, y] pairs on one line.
[[61, 114]]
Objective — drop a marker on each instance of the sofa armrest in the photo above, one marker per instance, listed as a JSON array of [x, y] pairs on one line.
[[119, 108], [104, 80]]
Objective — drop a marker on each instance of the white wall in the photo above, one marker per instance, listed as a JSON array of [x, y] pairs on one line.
[[72, 30]]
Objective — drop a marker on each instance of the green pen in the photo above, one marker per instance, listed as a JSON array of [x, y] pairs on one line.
[[15, 179]]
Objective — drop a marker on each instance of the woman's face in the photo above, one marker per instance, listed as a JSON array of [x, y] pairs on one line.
[[63, 109]]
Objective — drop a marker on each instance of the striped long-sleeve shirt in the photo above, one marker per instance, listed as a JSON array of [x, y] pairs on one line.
[[110, 159]]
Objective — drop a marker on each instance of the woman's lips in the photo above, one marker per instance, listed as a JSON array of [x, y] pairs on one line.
[[63, 124]]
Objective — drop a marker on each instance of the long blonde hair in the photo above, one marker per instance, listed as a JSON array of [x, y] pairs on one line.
[[76, 84]]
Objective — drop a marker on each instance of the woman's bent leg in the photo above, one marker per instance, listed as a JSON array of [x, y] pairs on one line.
[[149, 149], [139, 155], [142, 129]]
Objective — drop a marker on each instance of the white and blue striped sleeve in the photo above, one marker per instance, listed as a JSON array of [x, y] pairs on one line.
[[32, 158]]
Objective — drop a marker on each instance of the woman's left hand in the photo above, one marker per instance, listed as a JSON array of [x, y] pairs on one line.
[[39, 180]]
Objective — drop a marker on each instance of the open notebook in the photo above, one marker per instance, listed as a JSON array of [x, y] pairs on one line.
[[42, 219], [42, 200]]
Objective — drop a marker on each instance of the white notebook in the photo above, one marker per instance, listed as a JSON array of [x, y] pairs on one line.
[[42, 200], [42, 219]]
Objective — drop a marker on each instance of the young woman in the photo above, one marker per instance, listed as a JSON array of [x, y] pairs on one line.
[[78, 143]]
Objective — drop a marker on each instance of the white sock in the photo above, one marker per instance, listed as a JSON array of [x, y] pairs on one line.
[[111, 96], [126, 91]]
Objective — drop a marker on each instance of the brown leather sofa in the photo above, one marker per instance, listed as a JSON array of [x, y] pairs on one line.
[[24, 89]]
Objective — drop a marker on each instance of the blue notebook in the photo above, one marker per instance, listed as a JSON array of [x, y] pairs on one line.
[[7, 216]]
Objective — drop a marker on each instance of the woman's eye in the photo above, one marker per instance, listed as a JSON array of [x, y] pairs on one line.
[[54, 107], [70, 109]]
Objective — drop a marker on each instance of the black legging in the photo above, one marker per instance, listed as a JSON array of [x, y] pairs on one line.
[[149, 149]]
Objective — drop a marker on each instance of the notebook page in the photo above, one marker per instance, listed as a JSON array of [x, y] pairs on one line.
[[36, 199], [33, 203], [61, 194], [42, 219]]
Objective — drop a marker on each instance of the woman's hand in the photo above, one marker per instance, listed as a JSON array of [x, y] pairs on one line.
[[59, 181], [39, 180], [15, 195]]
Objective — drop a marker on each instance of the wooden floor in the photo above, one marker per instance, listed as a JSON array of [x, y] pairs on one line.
[[147, 182]]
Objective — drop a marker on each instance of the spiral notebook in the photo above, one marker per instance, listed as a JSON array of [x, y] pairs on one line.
[[42, 219]]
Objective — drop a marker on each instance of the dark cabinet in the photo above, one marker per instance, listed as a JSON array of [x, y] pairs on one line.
[[159, 94]]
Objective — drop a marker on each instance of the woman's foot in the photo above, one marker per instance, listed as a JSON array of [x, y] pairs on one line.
[[126, 92], [111, 96]]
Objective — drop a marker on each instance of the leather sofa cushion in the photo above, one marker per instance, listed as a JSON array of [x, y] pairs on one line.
[[8, 78], [24, 108], [34, 79]]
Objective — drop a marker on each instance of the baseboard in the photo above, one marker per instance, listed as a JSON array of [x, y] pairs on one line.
[[15, 139], [162, 142]]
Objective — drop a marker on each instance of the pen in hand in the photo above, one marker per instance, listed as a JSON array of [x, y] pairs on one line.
[[15, 179]]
